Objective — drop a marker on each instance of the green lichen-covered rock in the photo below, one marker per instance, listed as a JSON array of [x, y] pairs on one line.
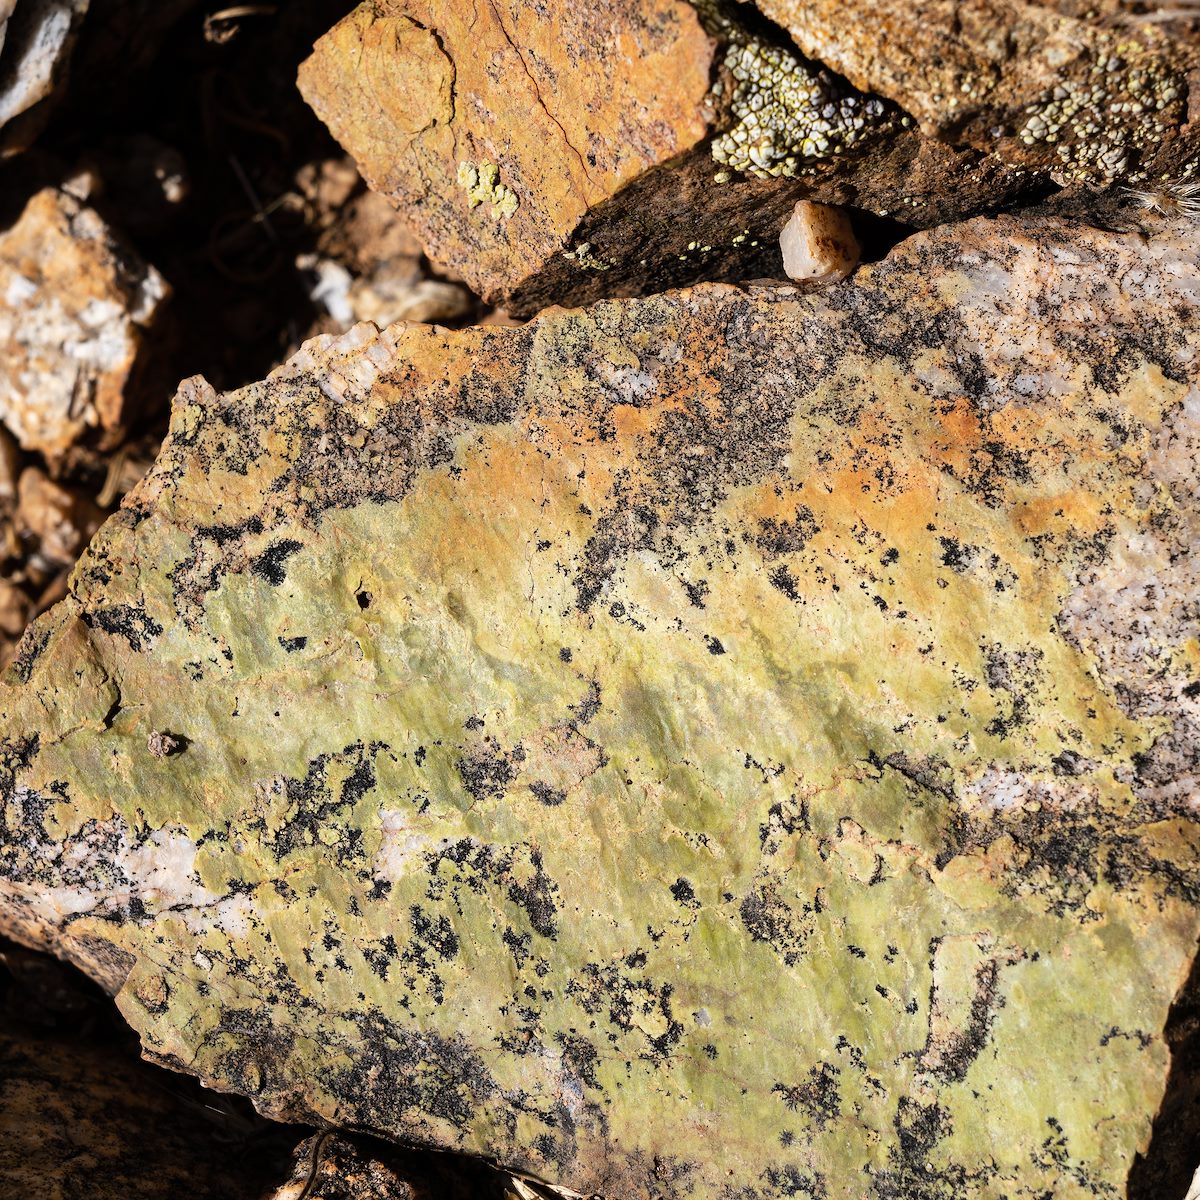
[[728, 744]]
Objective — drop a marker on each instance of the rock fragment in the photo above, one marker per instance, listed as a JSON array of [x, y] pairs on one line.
[[76, 306], [541, 167], [818, 244], [58, 520], [36, 39], [761, 722]]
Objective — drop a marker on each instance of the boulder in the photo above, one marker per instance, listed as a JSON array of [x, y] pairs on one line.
[[738, 742]]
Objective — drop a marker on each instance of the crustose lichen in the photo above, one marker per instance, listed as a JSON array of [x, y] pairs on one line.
[[787, 112], [482, 183]]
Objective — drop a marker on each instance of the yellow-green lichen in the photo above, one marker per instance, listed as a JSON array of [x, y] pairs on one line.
[[482, 184], [699, 721], [586, 259], [1125, 105], [786, 111]]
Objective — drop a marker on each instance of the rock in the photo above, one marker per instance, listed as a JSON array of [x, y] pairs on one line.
[[10, 469], [77, 303], [397, 290], [711, 745], [1091, 103], [36, 39], [14, 610], [818, 244], [58, 519], [367, 266], [541, 168]]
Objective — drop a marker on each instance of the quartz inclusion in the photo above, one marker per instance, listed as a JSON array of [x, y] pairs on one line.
[[727, 744]]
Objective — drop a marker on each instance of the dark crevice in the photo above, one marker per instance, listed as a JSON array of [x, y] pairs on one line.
[[1165, 1170]]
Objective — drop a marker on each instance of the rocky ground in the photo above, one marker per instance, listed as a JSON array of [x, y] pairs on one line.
[[598, 599]]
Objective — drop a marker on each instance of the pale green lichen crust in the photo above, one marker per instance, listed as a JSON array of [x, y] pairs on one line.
[[482, 184], [1102, 125], [710, 747], [787, 112]]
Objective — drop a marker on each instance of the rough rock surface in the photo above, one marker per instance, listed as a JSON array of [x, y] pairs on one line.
[[739, 721], [36, 38], [1093, 103], [541, 166], [76, 305]]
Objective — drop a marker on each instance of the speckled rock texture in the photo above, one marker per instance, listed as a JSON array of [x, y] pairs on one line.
[[616, 148], [77, 305], [727, 744], [1089, 97]]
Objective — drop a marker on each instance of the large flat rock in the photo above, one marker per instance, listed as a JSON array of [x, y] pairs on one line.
[[728, 744]]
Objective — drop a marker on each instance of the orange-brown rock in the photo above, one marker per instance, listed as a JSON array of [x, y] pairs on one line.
[[75, 304], [614, 148]]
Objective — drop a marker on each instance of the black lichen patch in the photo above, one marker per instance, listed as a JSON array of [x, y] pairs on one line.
[[792, 1181], [397, 1075], [1018, 674], [818, 1096], [292, 644], [769, 918], [776, 537], [630, 1000], [949, 1054], [316, 799], [487, 770], [545, 794], [910, 1174], [381, 955], [271, 564], [127, 621], [536, 895], [30, 648], [517, 872]]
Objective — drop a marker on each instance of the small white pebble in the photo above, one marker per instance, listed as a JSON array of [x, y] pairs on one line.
[[818, 243]]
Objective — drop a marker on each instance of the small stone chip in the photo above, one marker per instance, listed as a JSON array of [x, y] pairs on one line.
[[818, 243], [163, 745]]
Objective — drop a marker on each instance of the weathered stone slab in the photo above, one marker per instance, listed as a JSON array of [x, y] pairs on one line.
[[597, 149], [723, 744]]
